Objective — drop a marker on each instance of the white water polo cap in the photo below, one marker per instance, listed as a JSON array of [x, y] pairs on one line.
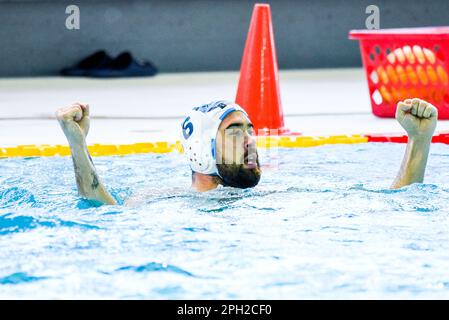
[[199, 132]]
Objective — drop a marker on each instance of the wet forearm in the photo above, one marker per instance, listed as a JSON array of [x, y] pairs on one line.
[[414, 163], [87, 180]]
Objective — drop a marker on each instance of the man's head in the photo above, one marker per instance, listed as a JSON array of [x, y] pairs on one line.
[[218, 140], [237, 158]]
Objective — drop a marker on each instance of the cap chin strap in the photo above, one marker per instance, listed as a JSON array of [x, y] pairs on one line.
[[214, 159]]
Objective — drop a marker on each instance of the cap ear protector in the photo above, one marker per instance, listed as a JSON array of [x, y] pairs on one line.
[[199, 132]]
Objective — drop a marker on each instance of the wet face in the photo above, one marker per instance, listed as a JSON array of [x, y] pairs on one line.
[[237, 158]]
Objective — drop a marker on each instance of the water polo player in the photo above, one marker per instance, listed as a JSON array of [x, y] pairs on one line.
[[218, 141]]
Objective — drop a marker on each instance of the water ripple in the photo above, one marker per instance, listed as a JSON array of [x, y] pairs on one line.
[[11, 224], [19, 277], [156, 267], [16, 196]]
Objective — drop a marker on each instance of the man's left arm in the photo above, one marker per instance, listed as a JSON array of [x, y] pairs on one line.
[[419, 119]]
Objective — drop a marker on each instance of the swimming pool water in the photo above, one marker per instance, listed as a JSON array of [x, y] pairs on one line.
[[321, 224]]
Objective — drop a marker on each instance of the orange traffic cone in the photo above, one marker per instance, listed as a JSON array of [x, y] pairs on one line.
[[258, 90]]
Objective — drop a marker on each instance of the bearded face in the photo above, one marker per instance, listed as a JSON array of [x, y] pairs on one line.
[[239, 175], [237, 157]]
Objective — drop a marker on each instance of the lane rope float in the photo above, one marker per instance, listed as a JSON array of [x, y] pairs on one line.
[[96, 150]]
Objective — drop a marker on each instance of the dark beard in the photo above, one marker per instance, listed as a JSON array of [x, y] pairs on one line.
[[235, 175]]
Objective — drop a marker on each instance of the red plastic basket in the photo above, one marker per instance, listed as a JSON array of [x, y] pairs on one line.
[[406, 63]]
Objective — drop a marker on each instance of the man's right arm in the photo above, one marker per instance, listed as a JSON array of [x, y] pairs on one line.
[[75, 122]]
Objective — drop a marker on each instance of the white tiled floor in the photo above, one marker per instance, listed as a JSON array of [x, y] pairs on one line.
[[315, 102]]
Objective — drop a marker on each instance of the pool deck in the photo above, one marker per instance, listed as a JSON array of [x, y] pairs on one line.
[[315, 102]]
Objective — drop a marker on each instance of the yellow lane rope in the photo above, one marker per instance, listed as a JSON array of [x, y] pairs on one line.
[[45, 150]]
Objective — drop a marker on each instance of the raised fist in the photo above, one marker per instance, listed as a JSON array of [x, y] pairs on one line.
[[74, 121], [417, 117]]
